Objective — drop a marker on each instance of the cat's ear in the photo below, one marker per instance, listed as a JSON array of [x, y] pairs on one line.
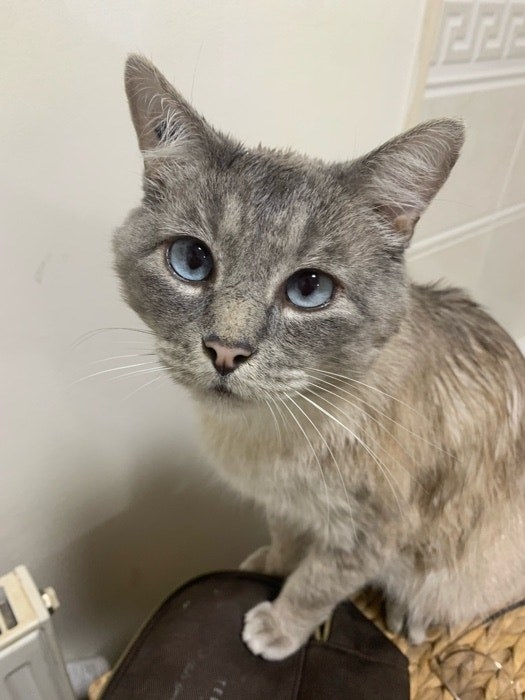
[[162, 118], [401, 177]]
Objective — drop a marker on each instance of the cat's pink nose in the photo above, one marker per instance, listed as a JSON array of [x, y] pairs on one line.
[[226, 358]]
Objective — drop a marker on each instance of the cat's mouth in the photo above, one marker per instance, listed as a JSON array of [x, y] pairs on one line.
[[221, 392]]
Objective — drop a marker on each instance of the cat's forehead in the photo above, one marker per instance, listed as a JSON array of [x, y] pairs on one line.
[[286, 221], [289, 202], [273, 237]]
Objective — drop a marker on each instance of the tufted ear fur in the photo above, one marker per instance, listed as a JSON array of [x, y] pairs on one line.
[[165, 123], [401, 177]]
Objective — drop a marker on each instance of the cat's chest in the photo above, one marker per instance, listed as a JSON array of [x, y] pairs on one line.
[[250, 453], [284, 473]]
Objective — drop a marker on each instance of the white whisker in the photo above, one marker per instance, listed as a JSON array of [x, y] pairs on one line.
[[132, 342], [277, 427], [136, 372], [376, 459], [333, 459], [349, 381], [112, 369], [376, 442], [369, 417], [120, 357], [327, 498], [91, 334], [278, 409], [368, 386], [143, 386]]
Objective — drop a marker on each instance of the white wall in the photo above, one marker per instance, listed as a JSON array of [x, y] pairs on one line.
[[474, 232], [105, 496]]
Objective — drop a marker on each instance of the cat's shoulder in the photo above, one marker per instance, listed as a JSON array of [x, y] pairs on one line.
[[462, 325]]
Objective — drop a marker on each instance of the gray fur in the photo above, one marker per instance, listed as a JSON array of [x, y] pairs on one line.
[[383, 434]]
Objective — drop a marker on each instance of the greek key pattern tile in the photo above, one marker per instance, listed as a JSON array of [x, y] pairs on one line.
[[480, 37]]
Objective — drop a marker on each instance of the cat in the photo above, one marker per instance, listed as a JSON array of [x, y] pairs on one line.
[[379, 423]]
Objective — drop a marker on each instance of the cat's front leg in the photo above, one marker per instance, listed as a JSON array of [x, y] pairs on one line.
[[257, 561], [395, 615], [283, 555], [321, 581]]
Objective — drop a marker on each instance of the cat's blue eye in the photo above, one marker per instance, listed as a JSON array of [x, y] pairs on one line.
[[309, 289], [190, 259]]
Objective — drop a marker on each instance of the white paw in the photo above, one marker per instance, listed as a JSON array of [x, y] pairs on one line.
[[265, 636], [256, 561], [417, 633]]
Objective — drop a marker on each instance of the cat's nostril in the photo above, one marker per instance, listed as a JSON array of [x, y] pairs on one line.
[[212, 354]]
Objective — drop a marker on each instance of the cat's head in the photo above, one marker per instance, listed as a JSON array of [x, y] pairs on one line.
[[255, 266]]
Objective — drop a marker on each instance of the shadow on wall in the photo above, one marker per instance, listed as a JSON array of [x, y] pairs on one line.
[[178, 525]]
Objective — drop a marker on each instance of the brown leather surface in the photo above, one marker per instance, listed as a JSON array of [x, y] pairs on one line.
[[191, 649]]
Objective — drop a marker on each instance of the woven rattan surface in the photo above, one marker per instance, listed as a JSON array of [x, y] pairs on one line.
[[478, 662]]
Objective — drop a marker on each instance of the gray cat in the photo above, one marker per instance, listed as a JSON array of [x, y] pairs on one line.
[[379, 423]]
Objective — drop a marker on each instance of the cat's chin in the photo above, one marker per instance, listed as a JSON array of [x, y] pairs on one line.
[[219, 396]]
